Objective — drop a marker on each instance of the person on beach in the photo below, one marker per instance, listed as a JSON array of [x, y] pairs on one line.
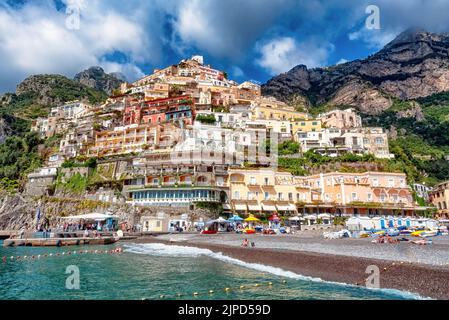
[[22, 232], [245, 243]]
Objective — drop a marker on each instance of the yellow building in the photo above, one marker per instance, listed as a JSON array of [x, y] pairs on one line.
[[267, 112], [134, 138], [312, 125], [266, 191]]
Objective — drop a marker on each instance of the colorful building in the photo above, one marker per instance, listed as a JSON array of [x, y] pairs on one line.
[[439, 196]]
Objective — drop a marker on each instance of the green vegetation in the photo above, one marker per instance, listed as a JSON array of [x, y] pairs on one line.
[[206, 119], [9, 185], [89, 163], [288, 148], [18, 156], [76, 184]]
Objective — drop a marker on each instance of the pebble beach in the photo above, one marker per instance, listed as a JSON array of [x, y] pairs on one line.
[[404, 266]]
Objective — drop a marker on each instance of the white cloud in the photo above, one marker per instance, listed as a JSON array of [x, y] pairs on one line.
[[34, 39], [224, 28], [282, 54], [376, 39], [342, 61]]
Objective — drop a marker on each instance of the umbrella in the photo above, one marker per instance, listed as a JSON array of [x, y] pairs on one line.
[[274, 218], [235, 219], [252, 218]]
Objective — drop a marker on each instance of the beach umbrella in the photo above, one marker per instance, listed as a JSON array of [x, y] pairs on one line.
[[235, 219], [274, 218], [252, 218]]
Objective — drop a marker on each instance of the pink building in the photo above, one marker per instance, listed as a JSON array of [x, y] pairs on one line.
[[369, 193], [341, 119]]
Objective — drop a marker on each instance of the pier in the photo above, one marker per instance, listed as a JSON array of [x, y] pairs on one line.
[[58, 242]]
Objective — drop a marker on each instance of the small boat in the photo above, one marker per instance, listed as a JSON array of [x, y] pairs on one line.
[[209, 232], [417, 233], [249, 231], [430, 233], [393, 232]]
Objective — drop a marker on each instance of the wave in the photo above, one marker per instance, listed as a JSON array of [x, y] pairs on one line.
[[164, 250]]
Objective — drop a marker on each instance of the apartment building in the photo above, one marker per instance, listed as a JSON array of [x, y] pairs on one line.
[[336, 142], [134, 139], [341, 119], [371, 193], [439, 196]]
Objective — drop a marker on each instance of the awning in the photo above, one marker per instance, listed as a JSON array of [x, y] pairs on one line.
[[92, 216], [286, 207], [266, 207], [254, 207], [240, 207]]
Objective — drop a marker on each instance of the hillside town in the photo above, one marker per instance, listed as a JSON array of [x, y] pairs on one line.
[[188, 137]]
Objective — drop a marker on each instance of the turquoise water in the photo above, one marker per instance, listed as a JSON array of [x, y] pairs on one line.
[[149, 271]]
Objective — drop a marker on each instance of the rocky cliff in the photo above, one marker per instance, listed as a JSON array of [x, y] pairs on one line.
[[96, 78], [414, 65]]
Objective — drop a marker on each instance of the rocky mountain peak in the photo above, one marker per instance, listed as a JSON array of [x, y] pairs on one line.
[[414, 65], [97, 78]]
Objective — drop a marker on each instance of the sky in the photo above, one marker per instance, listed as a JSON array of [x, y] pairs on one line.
[[250, 39]]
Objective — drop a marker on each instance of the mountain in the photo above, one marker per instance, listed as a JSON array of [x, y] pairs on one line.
[[35, 96], [96, 78], [412, 66]]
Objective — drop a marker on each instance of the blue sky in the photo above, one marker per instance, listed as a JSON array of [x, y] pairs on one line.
[[250, 40]]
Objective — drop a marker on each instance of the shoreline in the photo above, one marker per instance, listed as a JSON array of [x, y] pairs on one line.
[[427, 281]]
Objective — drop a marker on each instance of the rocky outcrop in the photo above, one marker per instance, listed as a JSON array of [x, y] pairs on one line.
[[18, 210], [96, 78], [414, 65], [5, 130]]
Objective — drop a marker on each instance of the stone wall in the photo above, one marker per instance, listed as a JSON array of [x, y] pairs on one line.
[[18, 210]]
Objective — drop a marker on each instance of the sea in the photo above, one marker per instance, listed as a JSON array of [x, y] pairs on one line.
[[160, 272]]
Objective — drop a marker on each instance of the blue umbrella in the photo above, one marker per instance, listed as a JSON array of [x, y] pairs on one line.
[[235, 219]]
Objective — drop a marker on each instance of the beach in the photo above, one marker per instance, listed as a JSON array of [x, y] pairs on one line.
[[404, 266]]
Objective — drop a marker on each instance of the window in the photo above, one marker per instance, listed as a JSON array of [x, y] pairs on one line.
[[338, 196], [280, 196], [290, 196], [267, 196], [237, 195], [250, 196], [266, 180], [354, 196], [391, 182], [370, 197], [253, 181], [375, 182], [379, 141]]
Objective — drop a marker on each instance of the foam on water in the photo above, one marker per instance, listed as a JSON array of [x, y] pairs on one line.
[[163, 250]]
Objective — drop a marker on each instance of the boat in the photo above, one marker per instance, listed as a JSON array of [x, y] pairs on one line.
[[430, 233], [209, 232], [417, 233], [249, 231], [59, 242], [393, 232]]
